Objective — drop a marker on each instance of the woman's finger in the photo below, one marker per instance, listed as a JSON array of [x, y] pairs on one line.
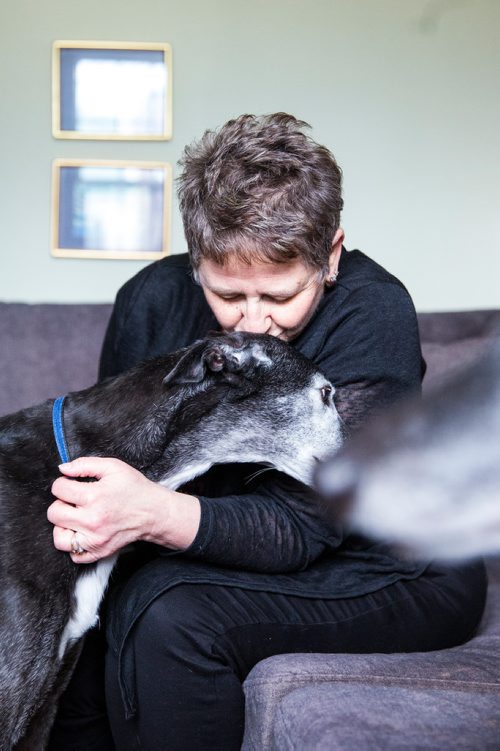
[[72, 491], [62, 538], [69, 541], [91, 466], [81, 493], [62, 514]]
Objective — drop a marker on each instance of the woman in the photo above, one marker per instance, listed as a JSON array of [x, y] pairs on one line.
[[247, 569]]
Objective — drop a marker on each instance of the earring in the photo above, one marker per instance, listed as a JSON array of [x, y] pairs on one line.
[[332, 279]]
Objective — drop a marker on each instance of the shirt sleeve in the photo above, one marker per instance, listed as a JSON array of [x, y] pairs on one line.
[[120, 347], [373, 355], [276, 529]]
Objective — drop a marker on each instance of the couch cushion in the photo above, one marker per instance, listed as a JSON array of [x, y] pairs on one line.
[[378, 718]]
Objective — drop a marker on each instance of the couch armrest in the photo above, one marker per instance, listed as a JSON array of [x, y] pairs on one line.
[[473, 667], [381, 718]]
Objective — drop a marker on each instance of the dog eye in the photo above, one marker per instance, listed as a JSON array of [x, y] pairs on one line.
[[326, 394]]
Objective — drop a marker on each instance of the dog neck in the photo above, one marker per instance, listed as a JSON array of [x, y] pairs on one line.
[[58, 428], [133, 417]]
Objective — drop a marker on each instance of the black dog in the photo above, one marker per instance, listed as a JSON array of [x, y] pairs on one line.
[[233, 398], [426, 476]]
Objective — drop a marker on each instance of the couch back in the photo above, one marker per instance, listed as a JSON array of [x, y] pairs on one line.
[[47, 350], [451, 341]]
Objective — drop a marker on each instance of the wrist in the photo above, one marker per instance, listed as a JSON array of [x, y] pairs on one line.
[[175, 519]]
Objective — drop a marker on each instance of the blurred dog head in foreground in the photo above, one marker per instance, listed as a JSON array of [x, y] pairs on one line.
[[426, 477]]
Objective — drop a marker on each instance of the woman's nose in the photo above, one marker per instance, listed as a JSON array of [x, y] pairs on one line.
[[254, 319]]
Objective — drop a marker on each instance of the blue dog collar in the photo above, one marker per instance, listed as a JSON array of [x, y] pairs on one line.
[[57, 425]]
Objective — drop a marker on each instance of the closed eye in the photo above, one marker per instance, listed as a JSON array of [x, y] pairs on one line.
[[277, 300], [230, 298], [267, 298]]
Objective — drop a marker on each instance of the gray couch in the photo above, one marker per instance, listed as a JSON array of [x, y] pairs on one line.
[[442, 700]]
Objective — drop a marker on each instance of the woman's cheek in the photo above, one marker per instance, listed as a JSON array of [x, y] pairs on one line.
[[287, 319], [227, 315]]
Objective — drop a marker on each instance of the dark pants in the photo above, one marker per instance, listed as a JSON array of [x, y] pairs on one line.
[[195, 645]]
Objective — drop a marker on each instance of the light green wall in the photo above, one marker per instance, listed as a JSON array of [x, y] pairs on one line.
[[404, 92]]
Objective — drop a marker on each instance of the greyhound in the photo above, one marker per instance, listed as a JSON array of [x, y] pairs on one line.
[[426, 476], [228, 398]]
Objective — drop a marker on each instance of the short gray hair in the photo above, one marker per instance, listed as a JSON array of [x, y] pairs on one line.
[[260, 189]]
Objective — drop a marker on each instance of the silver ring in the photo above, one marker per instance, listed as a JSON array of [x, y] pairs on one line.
[[76, 548]]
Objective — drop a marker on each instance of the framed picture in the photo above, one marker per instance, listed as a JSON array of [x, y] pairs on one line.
[[110, 209], [111, 90]]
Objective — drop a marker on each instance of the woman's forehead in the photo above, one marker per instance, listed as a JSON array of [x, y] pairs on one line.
[[290, 275]]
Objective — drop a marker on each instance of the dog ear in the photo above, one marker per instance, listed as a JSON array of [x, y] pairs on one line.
[[230, 357], [189, 369]]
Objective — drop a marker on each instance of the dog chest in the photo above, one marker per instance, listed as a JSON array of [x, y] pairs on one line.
[[89, 590]]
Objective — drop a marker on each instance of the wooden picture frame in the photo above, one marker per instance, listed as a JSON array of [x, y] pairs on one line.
[[112, 90], [111, 209]]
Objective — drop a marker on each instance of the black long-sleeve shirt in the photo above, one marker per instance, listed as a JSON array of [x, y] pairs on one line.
[[364, 337]]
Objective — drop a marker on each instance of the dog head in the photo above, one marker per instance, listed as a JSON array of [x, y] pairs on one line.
[[246, 398]]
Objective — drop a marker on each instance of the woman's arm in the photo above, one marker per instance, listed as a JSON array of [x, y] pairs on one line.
[[372, 353], [279, 522]]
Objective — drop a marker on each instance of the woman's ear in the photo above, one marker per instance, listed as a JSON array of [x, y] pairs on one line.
[[336, 251], [334, 259]]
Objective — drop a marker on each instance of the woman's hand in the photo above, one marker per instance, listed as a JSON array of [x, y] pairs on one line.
[[122, 506]]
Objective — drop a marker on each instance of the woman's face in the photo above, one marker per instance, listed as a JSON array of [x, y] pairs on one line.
[[262, 298]]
